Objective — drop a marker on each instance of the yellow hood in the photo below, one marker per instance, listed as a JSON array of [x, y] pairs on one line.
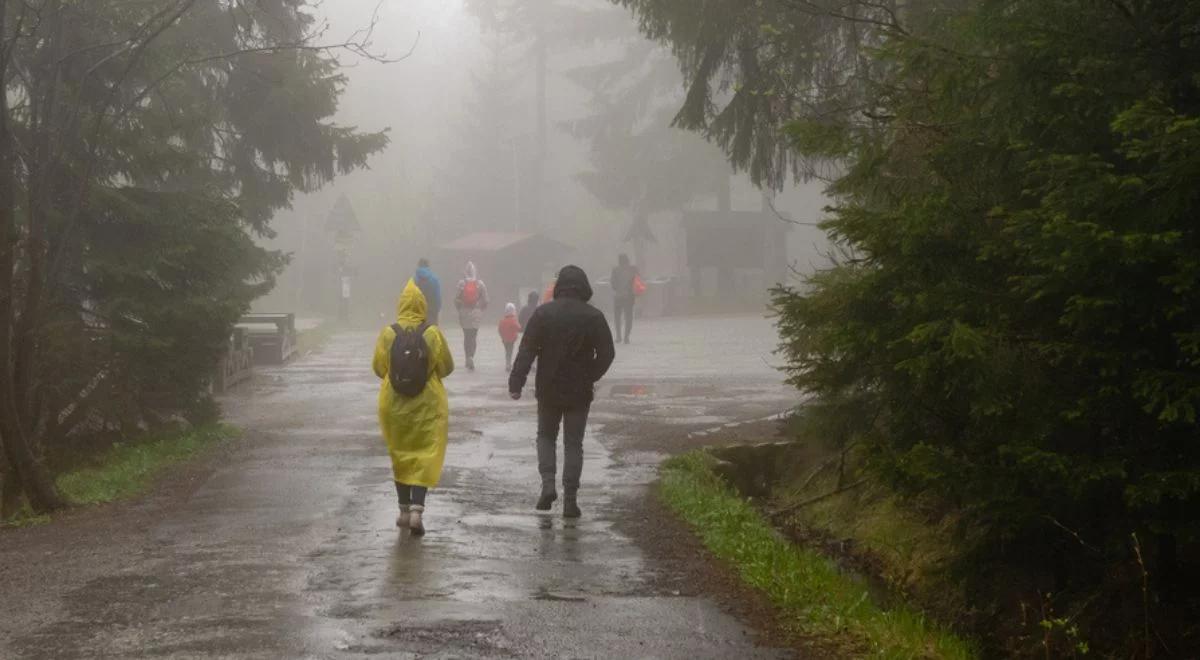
[[411, 310]]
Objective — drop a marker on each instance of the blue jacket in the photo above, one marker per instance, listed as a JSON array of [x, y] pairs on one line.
[[432, 288]]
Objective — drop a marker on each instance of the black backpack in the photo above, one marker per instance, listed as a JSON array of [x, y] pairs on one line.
[[409, 370]]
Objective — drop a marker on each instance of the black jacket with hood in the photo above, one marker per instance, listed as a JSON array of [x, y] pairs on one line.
[[570, 340]]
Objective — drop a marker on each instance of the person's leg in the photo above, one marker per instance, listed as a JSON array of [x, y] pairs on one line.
[[574, 427], [415, 521], [618, 309], [549, 418], [508, 351], [470, 340], [404, 496], [628, 319]]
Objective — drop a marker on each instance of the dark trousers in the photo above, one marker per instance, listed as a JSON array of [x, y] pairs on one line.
[[573, 422], [623, 310], [470, 341], [411, 494]]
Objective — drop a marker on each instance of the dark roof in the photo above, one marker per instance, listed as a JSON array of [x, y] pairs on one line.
[[493, 241]]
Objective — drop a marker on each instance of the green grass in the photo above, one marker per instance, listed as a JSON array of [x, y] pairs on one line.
[[814, 596], [25, 518], [129, 469]]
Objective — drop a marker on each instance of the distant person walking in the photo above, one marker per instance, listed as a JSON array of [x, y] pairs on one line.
[[471, 300], [412, 358], [573, 346], [510, 332], [625, 278], [432, 288], [531, 305]]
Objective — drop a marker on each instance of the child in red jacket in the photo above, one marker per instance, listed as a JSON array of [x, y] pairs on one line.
[[510, 330]]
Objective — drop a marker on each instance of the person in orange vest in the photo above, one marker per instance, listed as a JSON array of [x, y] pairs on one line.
[[510, 331]]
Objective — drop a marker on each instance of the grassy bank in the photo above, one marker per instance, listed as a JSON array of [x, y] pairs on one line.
[[912, 548], [814, 596], [129, 469]]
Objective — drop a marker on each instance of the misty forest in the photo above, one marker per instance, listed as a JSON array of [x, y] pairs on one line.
[[600, 328]]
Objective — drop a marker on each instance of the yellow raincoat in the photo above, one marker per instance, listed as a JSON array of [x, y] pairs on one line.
[[415, 429]]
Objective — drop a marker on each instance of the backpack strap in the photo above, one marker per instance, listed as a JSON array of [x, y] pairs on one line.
[[420, 329]]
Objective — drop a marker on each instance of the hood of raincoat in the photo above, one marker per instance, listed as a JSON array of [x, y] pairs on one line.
[[510, 309], [411, 310], [426, 273], [470, 272], [572, 281]]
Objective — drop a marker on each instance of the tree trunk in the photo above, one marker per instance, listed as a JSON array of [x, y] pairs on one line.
[[538, 183], [39, 487], [726, 288], [639, 234], [10, 496]]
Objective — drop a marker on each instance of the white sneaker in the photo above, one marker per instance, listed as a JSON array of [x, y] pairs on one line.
[[402, 520], [414, 520]]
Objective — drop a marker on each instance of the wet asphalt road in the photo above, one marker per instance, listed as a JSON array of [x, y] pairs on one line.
[[287, 549]]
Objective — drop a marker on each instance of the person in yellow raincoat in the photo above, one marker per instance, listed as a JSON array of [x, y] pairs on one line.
[[415, 428]]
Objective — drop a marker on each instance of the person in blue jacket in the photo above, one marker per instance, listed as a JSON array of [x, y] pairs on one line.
[[429, 285]]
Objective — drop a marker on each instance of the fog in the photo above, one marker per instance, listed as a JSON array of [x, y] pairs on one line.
[[461, 108]]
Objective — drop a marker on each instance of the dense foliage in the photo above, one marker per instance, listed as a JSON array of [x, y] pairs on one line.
[[1011, 329], [143, 146]]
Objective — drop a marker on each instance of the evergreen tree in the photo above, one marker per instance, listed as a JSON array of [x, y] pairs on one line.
[[1011, 330], [539, 28], [142, 147], [639, 163], [479, 187], [751, 67]]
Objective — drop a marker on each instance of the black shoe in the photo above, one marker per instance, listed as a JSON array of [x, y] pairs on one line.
[[571, 508], [546, 500]]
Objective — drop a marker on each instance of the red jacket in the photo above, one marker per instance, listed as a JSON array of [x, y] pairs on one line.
[[510, 329]]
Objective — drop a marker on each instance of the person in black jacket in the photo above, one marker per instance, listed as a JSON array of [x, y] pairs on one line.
[[530, 307], [573, 347]]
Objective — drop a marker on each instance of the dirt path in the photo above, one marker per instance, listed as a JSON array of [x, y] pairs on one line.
[[284, 545]]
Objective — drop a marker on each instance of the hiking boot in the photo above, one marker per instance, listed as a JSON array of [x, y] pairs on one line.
[[547, 498], [571, 507], [415, 523], [402, 519]]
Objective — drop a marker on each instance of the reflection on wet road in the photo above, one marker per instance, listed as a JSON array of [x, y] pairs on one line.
[[290, 549]]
